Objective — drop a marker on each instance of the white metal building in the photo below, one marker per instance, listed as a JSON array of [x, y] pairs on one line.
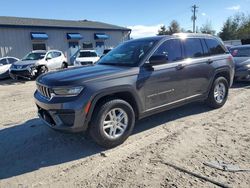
[[18, 36]]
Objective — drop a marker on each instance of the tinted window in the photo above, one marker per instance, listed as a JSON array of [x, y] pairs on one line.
[[205, 48], [39, 46], [129, 53], [193, 48], [3, 62], [87, 54], [240, 52], [106, 51], [57, 54], [11, 60], [214, 47], [171, 49]]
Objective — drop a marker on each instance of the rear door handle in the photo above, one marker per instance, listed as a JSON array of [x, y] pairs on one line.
[[210, 61], [180, 66]]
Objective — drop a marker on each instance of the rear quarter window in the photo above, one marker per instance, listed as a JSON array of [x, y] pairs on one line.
[[214, 47], [3, 62]]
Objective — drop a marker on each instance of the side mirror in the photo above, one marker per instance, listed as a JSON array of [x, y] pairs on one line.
[[48, 58], [158, 60]]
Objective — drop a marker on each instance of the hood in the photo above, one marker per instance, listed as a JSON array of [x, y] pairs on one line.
[[241, 61], [25, 62], [80, 75]]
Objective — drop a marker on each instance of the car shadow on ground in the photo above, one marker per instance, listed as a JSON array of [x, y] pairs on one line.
[[32, 145], [9, 81], [238, 85]]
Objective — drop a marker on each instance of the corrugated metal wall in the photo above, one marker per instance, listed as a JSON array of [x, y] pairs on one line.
[[17, 42]]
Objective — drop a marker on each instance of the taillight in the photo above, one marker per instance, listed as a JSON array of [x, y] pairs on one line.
[[230, 58]]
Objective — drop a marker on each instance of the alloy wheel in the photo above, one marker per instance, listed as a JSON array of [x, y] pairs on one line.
[[115, 123]]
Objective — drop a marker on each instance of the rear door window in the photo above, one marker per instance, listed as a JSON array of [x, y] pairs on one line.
[[193, 48], [56, 54], [11, 60], [171, 49], [214, 47]]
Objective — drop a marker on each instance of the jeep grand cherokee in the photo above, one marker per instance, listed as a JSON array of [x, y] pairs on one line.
[[137, 79]]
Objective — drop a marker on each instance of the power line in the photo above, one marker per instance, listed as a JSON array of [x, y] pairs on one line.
[[194, 17]]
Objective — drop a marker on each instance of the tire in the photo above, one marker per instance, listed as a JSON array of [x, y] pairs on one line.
[[106, 137], [219, 93], [64, 65]]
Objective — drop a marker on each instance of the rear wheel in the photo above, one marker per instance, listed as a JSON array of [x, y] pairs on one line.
[[218, 93], [64, 65], [112, 123]]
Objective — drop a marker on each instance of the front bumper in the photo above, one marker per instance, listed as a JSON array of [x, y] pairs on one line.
[[83, 63], [68, 116], [242, 75], [24, 73]]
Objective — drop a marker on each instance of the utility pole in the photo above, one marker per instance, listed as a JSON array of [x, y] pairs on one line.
[[194, 17]]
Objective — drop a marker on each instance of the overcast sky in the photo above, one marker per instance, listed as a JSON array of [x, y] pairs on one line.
[[144, 17]]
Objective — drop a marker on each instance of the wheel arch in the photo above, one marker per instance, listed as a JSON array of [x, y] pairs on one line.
[[127, 94], [224, 72]]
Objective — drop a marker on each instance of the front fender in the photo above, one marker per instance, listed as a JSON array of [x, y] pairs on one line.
[[110, 92]]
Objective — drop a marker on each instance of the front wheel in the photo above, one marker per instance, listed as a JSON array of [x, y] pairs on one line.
[[219, 93], [112, 123]]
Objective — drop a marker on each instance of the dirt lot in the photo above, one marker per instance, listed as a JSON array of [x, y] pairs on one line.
[[33, 155]]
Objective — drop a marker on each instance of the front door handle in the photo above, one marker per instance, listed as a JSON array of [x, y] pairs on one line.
[[180, 66]]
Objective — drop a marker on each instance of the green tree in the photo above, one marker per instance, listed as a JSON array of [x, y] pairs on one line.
[[162, 30], [207, 28], [236, 27], [174, 27]]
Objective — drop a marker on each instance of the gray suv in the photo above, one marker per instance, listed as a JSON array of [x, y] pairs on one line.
[[137, 79]]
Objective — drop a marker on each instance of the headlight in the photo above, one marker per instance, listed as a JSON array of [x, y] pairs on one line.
[[30, 67], [68, 92], [248, 66]]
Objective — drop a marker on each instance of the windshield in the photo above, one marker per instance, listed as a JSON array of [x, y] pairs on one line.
[[240, 52], [87, 54], [34, 56], [129, 53]]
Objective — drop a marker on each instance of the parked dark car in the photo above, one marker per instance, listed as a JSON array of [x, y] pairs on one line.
[[241, 55], [137, 79]]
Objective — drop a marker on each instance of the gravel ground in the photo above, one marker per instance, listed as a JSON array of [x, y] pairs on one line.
[[33, 155]]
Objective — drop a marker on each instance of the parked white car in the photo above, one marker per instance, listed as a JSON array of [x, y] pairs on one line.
[[86, 57], [5, 64], [38, 62]]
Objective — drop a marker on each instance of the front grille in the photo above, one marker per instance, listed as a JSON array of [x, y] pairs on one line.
[[46, 92], [87, 63]]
